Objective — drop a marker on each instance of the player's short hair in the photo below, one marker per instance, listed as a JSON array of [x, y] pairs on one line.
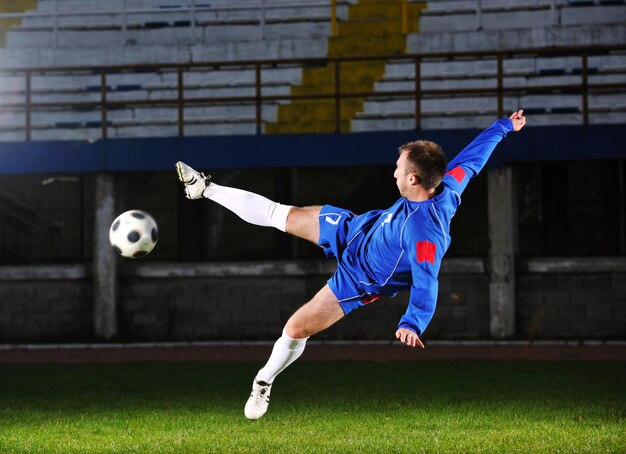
[[427, 160]]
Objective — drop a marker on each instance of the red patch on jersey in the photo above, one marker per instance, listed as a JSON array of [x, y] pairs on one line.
[[426, 251], [458, 173], [370, 299]]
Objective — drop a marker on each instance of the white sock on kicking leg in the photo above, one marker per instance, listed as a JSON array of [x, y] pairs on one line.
[[250, 207], [286, 351]]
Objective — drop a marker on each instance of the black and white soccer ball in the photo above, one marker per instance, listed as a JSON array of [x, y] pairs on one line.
[[133, 234]]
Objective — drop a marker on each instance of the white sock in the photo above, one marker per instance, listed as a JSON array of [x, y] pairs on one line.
[[286, 351], [250, 207]]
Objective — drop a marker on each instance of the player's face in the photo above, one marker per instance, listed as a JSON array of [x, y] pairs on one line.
[[402, 174]]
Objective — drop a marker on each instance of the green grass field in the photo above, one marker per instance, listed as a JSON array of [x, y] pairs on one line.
[[421, 406]]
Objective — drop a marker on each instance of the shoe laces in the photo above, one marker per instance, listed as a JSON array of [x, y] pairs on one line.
[[200, 177], [261, 392]]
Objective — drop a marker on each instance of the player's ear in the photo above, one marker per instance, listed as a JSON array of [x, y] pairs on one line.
[[418, 180]]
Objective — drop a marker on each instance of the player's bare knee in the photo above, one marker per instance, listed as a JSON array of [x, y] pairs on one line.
[[302, 222], [293, 214], [295, 330]]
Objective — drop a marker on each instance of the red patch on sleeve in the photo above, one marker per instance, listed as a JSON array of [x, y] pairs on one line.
[[458, 173], [426, 251]]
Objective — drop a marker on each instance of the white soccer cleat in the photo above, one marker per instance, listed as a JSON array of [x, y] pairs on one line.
[[258, 401], [195, 182]]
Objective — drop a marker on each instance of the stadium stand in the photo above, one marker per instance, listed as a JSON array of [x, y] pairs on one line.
[[164, 31], [100, 33], [372, 28], [159, 31], [449, 110], [460, 26], [457, 16], [381, 22], [142, 120]]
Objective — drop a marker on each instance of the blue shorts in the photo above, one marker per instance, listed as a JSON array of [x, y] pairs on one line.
[[334, 238]]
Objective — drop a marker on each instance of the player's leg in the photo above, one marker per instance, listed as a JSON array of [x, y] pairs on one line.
[[319, 313], [251, 207], [315, 316]]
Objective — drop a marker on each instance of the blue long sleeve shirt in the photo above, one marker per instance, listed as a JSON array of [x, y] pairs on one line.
[[402, 247]]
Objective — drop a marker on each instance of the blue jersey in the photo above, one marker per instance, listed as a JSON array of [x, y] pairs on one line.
[[401, 248]]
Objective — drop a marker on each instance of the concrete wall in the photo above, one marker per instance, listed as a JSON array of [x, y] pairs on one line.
[[258, 307], [57, 310], [565, 306], [252, 301]]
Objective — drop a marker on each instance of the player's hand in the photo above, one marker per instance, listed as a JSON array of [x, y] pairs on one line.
[[408, 337], [518, 120]]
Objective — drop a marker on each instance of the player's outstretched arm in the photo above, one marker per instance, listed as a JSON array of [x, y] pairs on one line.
[[424, 256], [470, 161]]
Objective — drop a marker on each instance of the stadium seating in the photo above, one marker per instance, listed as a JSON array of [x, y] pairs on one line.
[[456, 26], [457, 16], [450, 110], [164, 31], [132, 120], [158, 31], [372, 28], [155, 32]]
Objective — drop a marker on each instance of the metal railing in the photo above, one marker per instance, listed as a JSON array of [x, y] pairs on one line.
[[336, 93]]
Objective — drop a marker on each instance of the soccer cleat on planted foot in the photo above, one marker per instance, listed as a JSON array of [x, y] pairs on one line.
[[195, 182], [259, 400]]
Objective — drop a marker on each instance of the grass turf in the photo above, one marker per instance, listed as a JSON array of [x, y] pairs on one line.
[[422, 406]]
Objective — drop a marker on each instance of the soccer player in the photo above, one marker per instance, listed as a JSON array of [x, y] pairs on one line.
[[378, 253]]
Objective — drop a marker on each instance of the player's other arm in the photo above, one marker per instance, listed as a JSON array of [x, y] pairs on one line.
[[473, 158], [424, 256]]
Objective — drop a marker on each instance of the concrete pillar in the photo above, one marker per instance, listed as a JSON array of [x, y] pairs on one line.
[[502, 241], [105, 283]]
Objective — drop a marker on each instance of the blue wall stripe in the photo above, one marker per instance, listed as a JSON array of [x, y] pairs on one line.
[[547, 143]]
